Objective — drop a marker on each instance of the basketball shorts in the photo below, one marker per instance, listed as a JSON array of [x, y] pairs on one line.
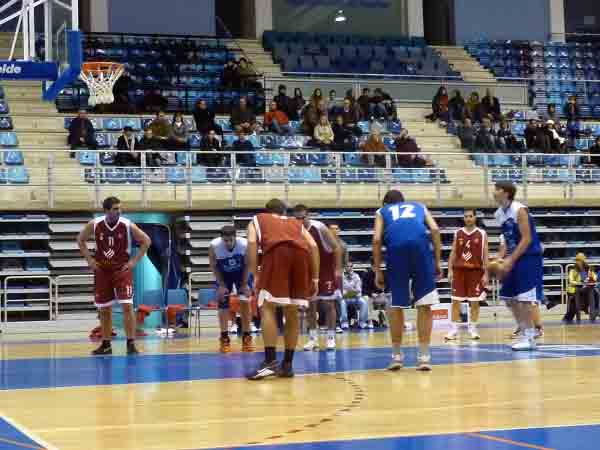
[[466, 285], [329, 288], [231, 281], [411, 267], [525, 282], [285, 276], [112, 286]]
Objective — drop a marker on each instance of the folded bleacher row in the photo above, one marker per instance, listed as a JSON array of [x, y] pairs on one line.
[[556, 70], [12, 169], [183, 69], [342, 54]]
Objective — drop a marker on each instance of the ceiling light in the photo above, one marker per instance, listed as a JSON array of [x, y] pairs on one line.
[[340, 17]]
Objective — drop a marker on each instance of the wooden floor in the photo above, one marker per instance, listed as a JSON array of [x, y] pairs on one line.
[[180, 394]]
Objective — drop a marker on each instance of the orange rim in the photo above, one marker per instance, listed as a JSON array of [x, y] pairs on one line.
[[97, 67]]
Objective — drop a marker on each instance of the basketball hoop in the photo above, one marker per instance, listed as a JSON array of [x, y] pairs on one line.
[[100, 78]]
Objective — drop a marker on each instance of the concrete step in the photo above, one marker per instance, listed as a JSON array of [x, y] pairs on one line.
[[20, 107], [38, 123], [57, 139]]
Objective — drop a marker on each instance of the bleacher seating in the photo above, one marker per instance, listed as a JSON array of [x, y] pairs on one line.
[[342, 54], [15, 173], [182, 69]]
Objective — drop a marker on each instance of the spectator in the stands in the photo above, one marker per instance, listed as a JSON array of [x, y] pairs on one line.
[[277, 121], [439, 106], [352, 295], [208, 146], [531, 135], [162, 130], [82, 133], [551, 114], [121, 90], [389, 105], [486, 137], [363, 103], [350, 117], [205, 118], [474, 107], [558, 143], [154, 101], [505, 139], [594, 152], [580, 289], [316, 97], [342, 136], [333, 104], [128, 142], [297, 104], [571, 109], [246, 73], [457, 107], [245, 149], [230, 76], [311, 117], [350, 96], [180, 132], [467, 135], [323, 134], [150, 144], [374, 144], [283, 101], [243, 118], [407, 149], [490, 105], [377, 109]]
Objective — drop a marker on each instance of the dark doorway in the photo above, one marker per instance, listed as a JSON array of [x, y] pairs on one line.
[[230, 14], [438, 18]]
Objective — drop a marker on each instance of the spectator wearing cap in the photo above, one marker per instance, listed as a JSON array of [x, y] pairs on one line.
[[557, 143], [277, 121], [580, 289], [129, 143]]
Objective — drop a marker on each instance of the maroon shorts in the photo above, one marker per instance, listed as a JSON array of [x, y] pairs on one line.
[[112, 286], [285, 276], [466, 285]]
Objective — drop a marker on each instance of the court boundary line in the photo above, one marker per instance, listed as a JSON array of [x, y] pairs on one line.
[[522, 444], [31, 435]]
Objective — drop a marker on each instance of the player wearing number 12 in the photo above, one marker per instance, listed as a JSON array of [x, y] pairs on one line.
[[402, 227], [113, 265]]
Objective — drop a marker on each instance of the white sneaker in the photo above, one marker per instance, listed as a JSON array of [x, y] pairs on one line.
[[312, 344], [330, 343], [370, 326], [339, 330], [345, 326], [424, 362], [362, 325], [397, 363], [524, 344], [451, 336], [253, 328], [233, 329], [473, 332], [539, 332]]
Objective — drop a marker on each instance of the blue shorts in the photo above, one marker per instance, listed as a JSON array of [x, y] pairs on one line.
[[412, 261], [525, 282], [230, 282]]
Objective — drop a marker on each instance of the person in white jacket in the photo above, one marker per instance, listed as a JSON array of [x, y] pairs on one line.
[[352, 295]]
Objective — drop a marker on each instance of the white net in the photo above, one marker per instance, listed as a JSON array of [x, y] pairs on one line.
[[100, 82]]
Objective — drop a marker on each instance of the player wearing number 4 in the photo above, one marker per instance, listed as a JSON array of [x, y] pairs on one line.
[[467, 272], [521, 271], [112, 266], [402, 227]]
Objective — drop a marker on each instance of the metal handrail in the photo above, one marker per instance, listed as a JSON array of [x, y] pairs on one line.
[[379, 75], [4, 318]]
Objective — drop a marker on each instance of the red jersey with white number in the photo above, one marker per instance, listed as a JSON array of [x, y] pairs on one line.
[[113, 243], [327, 281], [469, 248]]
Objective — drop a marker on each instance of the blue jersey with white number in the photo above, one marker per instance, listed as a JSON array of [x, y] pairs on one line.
[[403, 222], [507, 219], [231, 263]]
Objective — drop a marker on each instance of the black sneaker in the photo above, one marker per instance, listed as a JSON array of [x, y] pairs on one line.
[[263, 371], [103, 350], [285, 370], [131, 349]]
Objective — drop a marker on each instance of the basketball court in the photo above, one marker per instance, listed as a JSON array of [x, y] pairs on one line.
[[181, 394]]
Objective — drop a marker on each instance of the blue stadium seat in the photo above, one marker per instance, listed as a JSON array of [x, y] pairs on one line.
[[107, 158], [103, 140], [8, 139], [422, 176], [194, 140], [133, 122], [87, 158], [17, 175], [112, 124], [353, 159], [6, 123], [3, 179], [13, 158], [275, 174], [176, 175], [199, 174], [318, 159], [113, 175], [4, 107], [133, 174], [402, 175], [218, 175]]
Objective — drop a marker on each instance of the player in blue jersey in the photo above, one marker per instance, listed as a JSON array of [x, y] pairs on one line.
[[522, 270], [227, 257], [405, 228]]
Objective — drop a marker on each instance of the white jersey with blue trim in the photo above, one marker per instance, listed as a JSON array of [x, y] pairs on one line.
[[507, 218], [231, 263]]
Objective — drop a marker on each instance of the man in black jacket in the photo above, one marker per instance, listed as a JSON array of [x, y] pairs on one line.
[[209, 145], [283, 101], [82, 133], [127, 141], [205, 118]]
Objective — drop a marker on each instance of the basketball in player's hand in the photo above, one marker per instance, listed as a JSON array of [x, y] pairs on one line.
[[496, 268]]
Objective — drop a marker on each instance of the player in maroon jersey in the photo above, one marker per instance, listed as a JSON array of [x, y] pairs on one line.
[[467, 270], [113, 265], [330, 256]]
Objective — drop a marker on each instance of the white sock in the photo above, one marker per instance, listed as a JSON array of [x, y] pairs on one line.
[[453, 327], [396, 349], [312, 333], [473, 324], [331, 334], [529, 333], [423, 349]]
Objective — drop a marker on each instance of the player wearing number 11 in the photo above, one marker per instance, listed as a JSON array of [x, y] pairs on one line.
[[402, 227]]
